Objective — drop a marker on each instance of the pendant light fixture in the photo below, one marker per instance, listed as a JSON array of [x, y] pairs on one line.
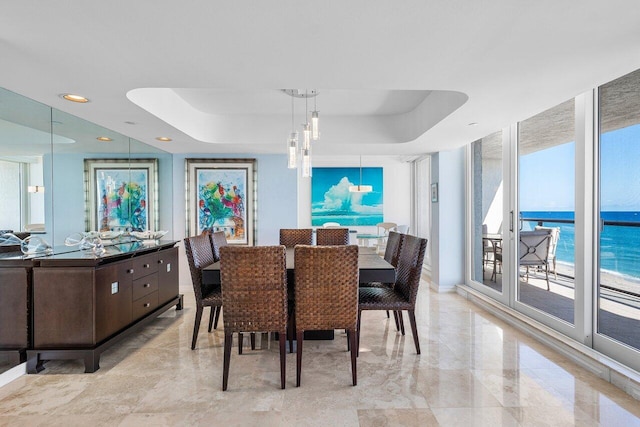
[[309, 132], [306, 145], [292, 143], [360, 188], [315, 131]]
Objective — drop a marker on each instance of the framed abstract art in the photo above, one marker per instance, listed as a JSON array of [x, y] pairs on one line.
[[121, 194], [221, 196]]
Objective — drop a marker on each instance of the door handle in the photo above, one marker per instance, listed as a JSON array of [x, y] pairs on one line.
[[511, 221]]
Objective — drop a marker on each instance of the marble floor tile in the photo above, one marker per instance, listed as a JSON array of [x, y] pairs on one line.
[[473, 369]]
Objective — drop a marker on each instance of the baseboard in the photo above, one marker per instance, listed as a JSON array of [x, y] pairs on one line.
[[12, 374], [593, 361]]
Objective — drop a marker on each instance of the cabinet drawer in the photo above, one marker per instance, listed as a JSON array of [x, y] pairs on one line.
[[144, 265], [145, 305], [145, 285]]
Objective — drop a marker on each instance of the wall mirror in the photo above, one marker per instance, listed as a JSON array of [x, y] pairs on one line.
[[42, 168]]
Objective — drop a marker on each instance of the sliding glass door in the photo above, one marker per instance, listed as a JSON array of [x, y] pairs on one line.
[[546, 194], [618, 291]]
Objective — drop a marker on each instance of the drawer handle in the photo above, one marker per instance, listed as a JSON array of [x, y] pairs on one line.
[[160, 261], [146, 305], [146, 285], [146, 266], [130, 271]]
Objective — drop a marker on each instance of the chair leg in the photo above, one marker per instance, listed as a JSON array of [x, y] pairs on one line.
[[211, 316], [240, 339], [546, 270], [283, 359], [291, 328], [253, 340], [387, 314], [401, 321], [354, 354], [196, 327], [215, 322], [228, 340], [300, 338], [395, 317], [414, 329], [358, 333]]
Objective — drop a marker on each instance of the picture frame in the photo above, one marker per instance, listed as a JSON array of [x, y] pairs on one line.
[[121, 194], [434, 192], [221, 196], [332, 200]]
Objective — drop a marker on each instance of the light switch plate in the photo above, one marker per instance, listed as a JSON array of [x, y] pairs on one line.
[[114, 288]]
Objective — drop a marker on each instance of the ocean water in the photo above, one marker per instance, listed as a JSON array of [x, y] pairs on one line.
[[619, 245]]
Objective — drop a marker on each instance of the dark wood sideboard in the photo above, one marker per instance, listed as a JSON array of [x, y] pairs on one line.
[[80, 304], [15, 301]]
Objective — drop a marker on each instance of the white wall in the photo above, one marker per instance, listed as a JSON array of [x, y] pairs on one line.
[[448, 213]]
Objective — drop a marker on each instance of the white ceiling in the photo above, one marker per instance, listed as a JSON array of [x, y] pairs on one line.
[[395, 77]]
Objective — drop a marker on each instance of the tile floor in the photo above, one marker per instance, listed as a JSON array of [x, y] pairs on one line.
[[474, 370]]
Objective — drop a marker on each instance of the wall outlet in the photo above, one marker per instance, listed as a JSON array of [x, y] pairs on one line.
[[114, 288]]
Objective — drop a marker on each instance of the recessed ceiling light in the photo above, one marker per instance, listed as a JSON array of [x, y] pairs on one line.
[[164, 138], [104, 138], [74, 98]]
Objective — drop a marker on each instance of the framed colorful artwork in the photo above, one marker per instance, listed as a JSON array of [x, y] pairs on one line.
[[331, 200], [221, 196], [121, 194]]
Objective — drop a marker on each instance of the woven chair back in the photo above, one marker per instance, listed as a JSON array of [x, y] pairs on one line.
[[218, 240], [290, 237], [326, 287], [409, 267], [254, 288], [392, 251], [332, 236], [199, 255]]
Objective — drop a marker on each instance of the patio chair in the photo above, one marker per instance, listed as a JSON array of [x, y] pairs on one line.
[[534, 251], [553, 245], [383, 229]]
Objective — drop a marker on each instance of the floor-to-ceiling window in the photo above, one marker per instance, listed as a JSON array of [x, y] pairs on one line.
[[572, 260], [546, 194], [618, 302], [487, 224]]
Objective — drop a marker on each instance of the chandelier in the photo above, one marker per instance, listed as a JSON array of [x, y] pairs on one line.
[[310, 131]]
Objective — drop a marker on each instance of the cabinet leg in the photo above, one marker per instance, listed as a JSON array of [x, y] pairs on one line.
[[91, 362], [180, 304], [34, 364]]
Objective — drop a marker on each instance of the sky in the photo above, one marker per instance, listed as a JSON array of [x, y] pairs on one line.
[[547, 177]]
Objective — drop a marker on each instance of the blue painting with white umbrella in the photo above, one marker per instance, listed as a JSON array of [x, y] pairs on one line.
[[331, 200]]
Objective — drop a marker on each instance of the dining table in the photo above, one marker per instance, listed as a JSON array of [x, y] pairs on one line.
[[371, 267]]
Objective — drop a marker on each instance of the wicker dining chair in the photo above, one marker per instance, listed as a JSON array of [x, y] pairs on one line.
[[200, 254], [332, 236], [254, 294], [218, 240], [404, 293], [326, 289], [391, 254], [290, 237]]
